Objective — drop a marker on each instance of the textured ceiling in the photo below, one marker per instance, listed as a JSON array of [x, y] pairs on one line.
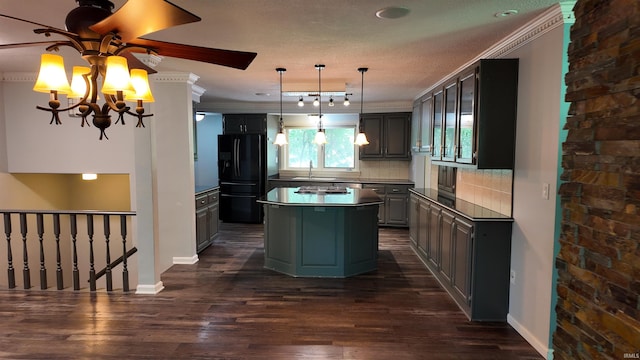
[[404, 56]]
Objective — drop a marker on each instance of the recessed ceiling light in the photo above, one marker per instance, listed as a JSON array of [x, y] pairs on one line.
[[392, 12], [505, 13]]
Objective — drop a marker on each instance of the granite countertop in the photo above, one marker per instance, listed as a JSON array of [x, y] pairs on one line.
[[292, 197], [205, 188], [470, 210], [345, 180]]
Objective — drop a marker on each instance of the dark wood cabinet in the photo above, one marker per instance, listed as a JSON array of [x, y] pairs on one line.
[[446, 246], [473, 117], [207, 218], [433, 217], [395, 209], [244, 124], [470, 258], [388, 135], [462, 244]]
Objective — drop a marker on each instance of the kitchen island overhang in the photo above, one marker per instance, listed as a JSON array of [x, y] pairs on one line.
[[324, 233]]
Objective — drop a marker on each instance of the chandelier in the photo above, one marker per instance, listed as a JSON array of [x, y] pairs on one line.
[[118, 85]]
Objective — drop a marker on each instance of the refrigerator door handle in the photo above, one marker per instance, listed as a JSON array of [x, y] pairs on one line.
[[239, 196], [236, 160], [236, 183]]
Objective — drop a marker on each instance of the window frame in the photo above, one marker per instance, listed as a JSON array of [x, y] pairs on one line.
[[319, 163]]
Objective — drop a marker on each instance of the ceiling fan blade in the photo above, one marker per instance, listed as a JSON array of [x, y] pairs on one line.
[[28, 44], [231, 58], [140, 17], [135, 63], [35, 23]]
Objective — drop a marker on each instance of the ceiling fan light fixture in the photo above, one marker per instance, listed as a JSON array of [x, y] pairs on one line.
[[52, 76], [78, 82], [140, 83], [117, 76]]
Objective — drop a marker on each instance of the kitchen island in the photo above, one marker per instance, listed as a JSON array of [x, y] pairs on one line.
[[321, 231]]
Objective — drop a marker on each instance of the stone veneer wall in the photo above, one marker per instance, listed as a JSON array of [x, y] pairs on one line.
[[598, 310]]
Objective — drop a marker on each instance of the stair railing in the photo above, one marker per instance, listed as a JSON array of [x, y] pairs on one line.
[[62, 238]]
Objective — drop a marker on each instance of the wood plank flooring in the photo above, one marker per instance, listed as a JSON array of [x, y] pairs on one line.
[[228, 307]]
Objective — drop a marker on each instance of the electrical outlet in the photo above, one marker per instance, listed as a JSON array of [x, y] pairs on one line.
[[545, 191], [512, 277]]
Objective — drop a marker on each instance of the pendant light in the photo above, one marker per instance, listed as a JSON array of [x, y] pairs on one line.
[[361, 139], [281, 138], [320, 137]]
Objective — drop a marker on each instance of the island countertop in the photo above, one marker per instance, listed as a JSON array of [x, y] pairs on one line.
[[321, 197]]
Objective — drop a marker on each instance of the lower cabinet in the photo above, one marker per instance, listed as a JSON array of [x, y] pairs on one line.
[[207, 218], [469, 257], [395, 209]]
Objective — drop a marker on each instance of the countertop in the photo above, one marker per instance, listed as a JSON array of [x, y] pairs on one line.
[[345, 180], [205, 188], [291, 197], [467, 209]]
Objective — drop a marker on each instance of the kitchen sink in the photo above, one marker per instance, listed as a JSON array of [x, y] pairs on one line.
[[314, 178]]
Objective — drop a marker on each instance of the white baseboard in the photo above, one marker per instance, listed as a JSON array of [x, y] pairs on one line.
[[185, 260], [543, 349], [149, 289]]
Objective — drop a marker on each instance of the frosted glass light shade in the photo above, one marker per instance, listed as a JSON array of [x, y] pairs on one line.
[[281, 139], [78, 83], [117, 76], [320, 138], [52, 76], [140, 82], [361, 139]]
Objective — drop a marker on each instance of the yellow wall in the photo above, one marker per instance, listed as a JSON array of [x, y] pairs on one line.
[[64, 192]]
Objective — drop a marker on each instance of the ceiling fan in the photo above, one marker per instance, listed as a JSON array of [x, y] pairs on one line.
[[98, 33]]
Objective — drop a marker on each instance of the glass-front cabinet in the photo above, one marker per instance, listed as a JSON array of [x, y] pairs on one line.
[[448, 140], [466, 124], [416, 131], [473, 116], [426, 108], [436, 152]]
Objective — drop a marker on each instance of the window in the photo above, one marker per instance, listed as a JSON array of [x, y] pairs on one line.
[[338, 153]]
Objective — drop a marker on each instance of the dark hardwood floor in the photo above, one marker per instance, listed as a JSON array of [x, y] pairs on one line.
[[228, 307]]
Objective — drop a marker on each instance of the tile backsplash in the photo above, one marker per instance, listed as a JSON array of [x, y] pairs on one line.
[[492, 189], [384, 169]]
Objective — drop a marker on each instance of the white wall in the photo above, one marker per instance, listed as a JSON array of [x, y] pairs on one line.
[[532, 256], [34, 146]]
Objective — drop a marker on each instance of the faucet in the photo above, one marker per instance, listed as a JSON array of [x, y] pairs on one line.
[[310, 166]]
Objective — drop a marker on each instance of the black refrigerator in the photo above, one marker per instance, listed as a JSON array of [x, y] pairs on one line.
[[242, 170]]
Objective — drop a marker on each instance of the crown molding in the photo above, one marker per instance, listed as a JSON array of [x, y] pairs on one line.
[[550, 19], [19, 77], [169, 76]]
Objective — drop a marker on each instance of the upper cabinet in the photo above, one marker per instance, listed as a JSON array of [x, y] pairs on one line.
[[473, 116], [244, 124], [388, 135], [421, 125]]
